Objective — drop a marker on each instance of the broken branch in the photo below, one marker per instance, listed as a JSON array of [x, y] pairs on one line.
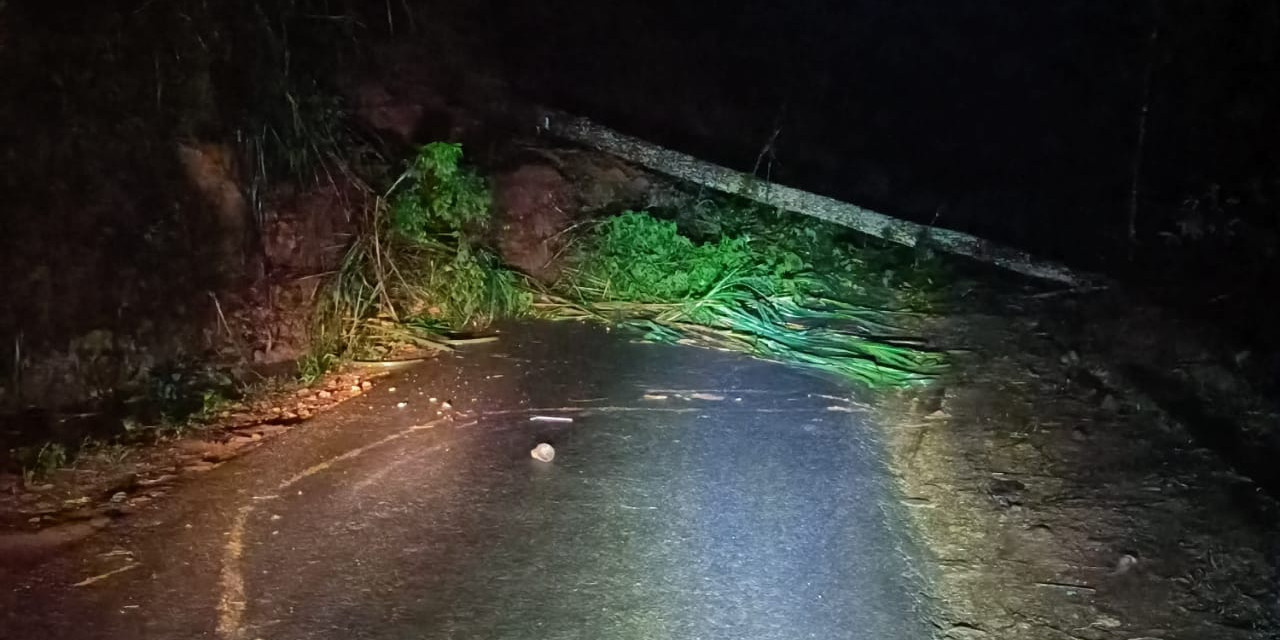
[[691, 169]]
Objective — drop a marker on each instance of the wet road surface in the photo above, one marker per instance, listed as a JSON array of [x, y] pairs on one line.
[[695, 494]]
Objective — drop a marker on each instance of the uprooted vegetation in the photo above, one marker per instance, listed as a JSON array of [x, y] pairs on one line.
[[417, 275], [725, 275], [734, 293]]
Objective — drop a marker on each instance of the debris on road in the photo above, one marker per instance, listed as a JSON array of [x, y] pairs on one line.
[[543, 453], [103, 576], [711, 397], [1124, 564]]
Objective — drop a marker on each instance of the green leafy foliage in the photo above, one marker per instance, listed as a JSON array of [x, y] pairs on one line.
[[640, 258], [853, 266], [421, 272], [453, 285], [313, 366], [759, 295], [438, 196], [449, 279]]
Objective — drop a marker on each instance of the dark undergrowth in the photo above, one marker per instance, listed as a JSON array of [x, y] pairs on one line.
[[116, 253]]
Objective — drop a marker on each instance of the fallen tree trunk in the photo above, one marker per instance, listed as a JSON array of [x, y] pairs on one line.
[[723, 179]]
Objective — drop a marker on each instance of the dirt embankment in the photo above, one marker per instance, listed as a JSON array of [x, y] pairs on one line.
[[138, 232], [1060, 500]]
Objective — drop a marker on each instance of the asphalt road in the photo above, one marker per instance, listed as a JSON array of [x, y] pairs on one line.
[[694, 495]]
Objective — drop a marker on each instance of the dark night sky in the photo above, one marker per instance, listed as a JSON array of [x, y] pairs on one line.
[[1019, 119]]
